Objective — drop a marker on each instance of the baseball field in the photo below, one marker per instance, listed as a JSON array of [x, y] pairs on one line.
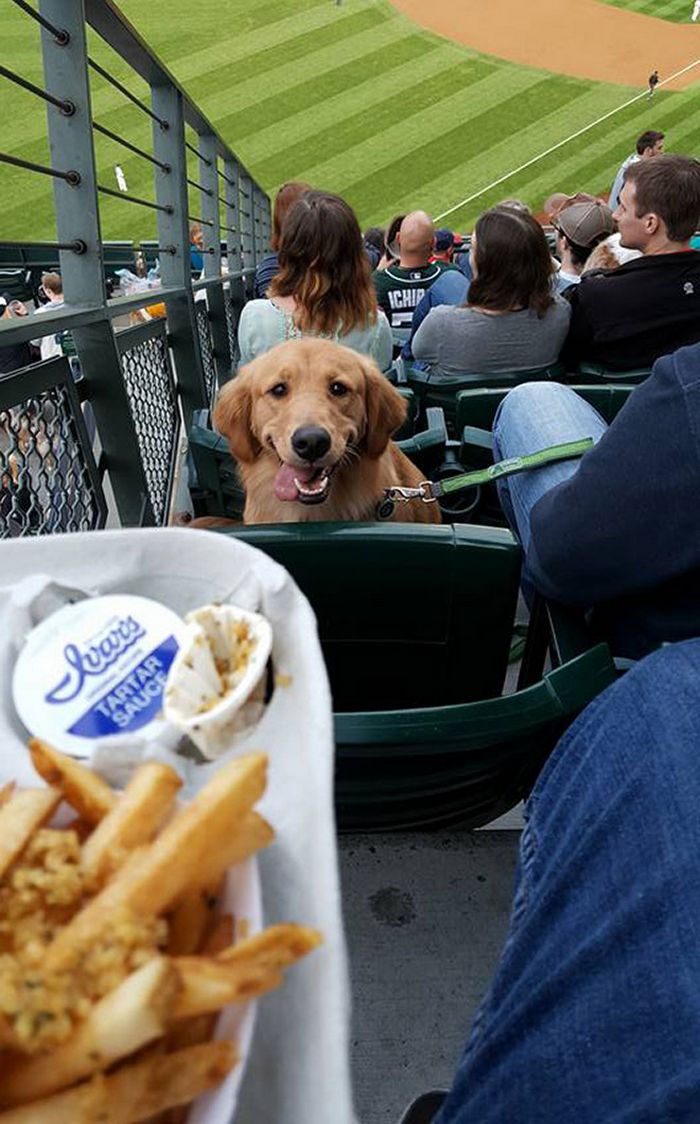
[[394, 106]]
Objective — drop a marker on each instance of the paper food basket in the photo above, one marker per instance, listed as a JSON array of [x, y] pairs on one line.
[[297, 1071]]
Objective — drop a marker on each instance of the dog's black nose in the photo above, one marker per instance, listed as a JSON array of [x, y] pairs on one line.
[[311, 442]]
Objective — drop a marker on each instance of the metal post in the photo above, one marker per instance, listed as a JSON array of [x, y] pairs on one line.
[[77, 217], [247, 228], [70, 141], [234, 243], [173, 230], [209, 178]]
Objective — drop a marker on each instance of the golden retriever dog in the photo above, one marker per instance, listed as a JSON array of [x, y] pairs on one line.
[[310, 425]]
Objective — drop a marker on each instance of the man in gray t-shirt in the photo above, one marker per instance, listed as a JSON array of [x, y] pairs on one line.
[[649, 144]]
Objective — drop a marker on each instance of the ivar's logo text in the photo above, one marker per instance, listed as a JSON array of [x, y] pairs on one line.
[[95, 659]]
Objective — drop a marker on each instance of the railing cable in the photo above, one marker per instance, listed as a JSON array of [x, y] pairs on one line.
[[206, 190], [202, 222], [78, 246], [72, 177], [127, 93], [64, 104], [132, 147], [202, 157], [167, 207], [60, 34]]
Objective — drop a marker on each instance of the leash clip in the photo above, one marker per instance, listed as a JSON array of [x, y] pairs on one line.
[[423, 492]]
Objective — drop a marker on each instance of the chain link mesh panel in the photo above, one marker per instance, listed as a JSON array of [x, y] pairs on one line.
[[151, 392], [231, 325], [206, 348], [48, 478]]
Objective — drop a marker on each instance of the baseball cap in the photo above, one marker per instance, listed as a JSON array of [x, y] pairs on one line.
[[584, 224], [444, 239]]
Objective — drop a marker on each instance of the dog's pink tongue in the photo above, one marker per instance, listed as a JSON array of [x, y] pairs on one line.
[[285, 488]]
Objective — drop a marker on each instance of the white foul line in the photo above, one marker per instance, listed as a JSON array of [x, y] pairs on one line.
[[578, 133]]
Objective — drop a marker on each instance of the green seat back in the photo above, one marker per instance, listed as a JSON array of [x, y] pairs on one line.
[[594, 373], [216, 472], [409, 426], [409, 615], [478, 407], [444, 392]]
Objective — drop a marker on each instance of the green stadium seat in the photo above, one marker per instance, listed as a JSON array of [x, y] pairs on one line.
[[443, 392], [594, 372], [217, 479], [15, 283], [478, 407], [409, 426], [415, 623]]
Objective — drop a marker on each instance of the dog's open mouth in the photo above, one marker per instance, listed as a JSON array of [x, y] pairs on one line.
[[305, 485]]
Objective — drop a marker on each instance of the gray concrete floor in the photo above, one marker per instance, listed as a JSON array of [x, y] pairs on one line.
[[425, 917]]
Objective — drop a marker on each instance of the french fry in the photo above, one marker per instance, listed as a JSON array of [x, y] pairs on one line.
[[241, 972], [91, 797], [129, 1017], [219, 937], [24, 812], [190, 921], [6, 792], [134, 819], [252, 834], [277, 946], [157, 875], [134, 1092]]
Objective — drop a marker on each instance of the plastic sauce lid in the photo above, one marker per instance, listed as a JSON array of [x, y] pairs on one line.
[[96, 669]]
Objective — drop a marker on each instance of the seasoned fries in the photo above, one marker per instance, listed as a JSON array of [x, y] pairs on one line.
[[111, 941], [91, 797]]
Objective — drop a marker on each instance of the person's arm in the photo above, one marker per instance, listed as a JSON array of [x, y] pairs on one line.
[[451, 288], [249, 332], [579, 339], [627, 520], [426, 342], [383, 346]]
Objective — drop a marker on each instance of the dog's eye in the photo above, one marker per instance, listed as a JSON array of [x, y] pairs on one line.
[[278, 390], [339, 389]]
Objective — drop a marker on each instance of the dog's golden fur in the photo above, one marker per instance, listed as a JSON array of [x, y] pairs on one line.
[[314, 382]]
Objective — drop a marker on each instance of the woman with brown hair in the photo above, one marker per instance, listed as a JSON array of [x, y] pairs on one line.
[[512, 321], [286, 197], [323, 287]]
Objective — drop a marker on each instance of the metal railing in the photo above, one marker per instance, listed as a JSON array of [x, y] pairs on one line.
[[142, 384]]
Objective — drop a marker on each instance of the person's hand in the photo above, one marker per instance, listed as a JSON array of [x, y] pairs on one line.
[[17, 308]]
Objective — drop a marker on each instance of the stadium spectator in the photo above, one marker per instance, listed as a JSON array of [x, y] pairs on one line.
[[390, 251], [374, 245], [52, 345], [648, 144], [593, 1010], [609, 254], [323, 286], [580, 227], [648, 307], [400, 287], [196, 248], [512, 320], [16, 355], [443, 246], [553, 204], [617, 532], [285, 198]]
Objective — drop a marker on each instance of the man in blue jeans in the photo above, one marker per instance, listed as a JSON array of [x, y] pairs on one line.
[[593, 1016], [618, 532]]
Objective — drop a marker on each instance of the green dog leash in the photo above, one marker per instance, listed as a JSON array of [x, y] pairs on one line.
[[429, 491]]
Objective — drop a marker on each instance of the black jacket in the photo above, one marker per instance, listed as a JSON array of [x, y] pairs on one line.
[[623, 534], [626, 318]]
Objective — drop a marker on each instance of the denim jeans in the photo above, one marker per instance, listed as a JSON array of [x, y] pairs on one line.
[[593, 1016], [531, 417]]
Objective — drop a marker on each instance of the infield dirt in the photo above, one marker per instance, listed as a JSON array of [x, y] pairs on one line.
[[584, 38]]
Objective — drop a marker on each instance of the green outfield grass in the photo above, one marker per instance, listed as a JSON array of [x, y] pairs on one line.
[[355, 99], [678, 11]]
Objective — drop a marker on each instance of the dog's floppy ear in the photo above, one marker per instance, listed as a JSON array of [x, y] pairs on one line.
[[232, 416], [385, 407]]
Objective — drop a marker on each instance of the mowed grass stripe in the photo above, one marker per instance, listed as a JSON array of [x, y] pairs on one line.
[[305, 95], [259, 63], [350, 131], [491, 162], [677, 11], [399, 142], [366, 98], [437, 155], [240, 103]]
